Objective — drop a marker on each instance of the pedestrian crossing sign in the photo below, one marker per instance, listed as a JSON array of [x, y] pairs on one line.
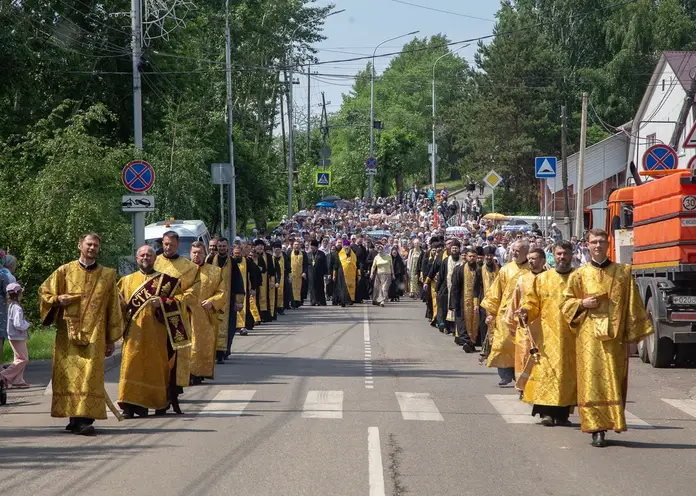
[[322, 179]]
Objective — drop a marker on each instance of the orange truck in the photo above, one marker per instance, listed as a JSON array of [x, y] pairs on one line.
[[652, 226]]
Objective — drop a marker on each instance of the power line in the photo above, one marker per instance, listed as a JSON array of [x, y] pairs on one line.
[[442, 11]]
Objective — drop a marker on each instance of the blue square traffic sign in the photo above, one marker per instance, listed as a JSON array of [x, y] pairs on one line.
[[545, 167]]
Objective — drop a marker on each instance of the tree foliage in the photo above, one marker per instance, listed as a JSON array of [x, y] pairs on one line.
[[505, 108]]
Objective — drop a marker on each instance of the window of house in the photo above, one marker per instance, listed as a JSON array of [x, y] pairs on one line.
[[651, 139]]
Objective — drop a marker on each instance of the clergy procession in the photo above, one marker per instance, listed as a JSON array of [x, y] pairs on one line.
[[555, 329]]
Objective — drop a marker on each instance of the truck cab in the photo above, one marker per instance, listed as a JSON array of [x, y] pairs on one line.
[[652, 227]]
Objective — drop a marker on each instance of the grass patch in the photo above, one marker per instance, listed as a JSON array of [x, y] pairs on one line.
[[40, 345]]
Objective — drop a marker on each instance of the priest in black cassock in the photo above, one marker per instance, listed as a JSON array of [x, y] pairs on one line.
[[315, 274]]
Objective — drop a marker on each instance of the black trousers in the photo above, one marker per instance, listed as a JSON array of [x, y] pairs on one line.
[[555, 412], [81, 421]]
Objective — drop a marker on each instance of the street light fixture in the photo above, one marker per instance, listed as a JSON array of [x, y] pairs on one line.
[[433, 150], [372, 105], [291, 133]]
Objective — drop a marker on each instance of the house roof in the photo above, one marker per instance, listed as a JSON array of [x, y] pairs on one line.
[[684, 66]]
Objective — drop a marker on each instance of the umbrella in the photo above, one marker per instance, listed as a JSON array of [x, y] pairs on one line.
[[326, 204], [495, 217], [330, 198], [302, 213], [343, 204]]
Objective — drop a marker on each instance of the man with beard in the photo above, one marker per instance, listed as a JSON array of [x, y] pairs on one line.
[[298, 274], [205, 316], [212, 248], [346, 276], [272, 287], [496, 303], [282, 263], [233, 289], [243, 317], [146, 347], [268, 275], [426, 265], [537, 260], [361, 254], [413, 264], [464, 302], [333, 264], [486, 275], [316, 271], [552, 383], [83, 338], [445, 317], [174, 265]]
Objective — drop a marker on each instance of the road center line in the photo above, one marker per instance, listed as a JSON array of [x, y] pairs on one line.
[[369, 382], [374, 462]]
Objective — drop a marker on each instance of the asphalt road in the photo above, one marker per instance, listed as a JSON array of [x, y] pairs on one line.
[[354, 401]]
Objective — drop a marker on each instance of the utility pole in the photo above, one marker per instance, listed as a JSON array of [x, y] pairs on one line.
[[136, 45], [282, 120], [309, 112], [564, 170], [230, 122], [291, 142], [433, 150], [579, 204], [371, 177]]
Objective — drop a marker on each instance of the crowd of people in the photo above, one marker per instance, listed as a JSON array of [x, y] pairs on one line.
[[552, 316]]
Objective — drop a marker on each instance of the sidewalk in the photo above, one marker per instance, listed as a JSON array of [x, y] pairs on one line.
[[38, 374]]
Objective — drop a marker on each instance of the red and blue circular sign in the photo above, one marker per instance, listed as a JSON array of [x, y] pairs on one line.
[[138, 176], [660, 158]]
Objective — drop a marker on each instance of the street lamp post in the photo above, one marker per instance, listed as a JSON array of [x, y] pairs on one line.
[[433, 149], [372, 106], [291, 126]]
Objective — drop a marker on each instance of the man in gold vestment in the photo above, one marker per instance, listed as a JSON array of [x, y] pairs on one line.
[[174, 265], [604, 310], [205, 317], [552, 386], [145, 360], [81, 299], [487, 274], [496, 303], [537, 260], [298, 274], [346, 276]]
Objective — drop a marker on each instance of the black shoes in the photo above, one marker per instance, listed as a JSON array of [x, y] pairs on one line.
[[458, 341], [468, 348], [81, 429], [504, 382], [598, 439], [563, 422], [243, 332]]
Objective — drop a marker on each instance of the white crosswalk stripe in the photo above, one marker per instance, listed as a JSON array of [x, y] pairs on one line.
[[228, 402], [515, 411], [512, 409], [686, 406], [418, 406], [323, 404]]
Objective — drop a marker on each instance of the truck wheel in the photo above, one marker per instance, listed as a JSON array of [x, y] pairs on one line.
[[643, 350], [661, 349]]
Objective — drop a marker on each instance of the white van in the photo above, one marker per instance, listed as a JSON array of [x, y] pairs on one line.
[[188, 231]]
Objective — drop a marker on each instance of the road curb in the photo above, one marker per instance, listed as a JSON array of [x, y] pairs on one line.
[[109, 364]]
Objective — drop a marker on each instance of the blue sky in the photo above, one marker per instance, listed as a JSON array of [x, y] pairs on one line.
[[366, 23]]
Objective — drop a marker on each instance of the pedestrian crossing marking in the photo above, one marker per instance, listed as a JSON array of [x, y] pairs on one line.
[[323, 404], [511, 408], [228, 402], [515, 411], [686, 406], [418, 406], [634, 422]]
